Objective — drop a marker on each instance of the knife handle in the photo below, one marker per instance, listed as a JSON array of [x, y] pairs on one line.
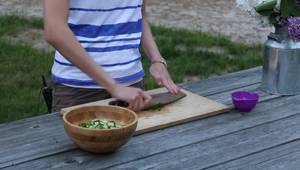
[[120, 103]]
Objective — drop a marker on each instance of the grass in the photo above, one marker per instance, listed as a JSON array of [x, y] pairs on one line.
[[20, 71], [189, 53], [198, 54]]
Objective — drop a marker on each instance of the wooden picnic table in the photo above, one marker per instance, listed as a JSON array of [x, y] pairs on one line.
[[266, 138]]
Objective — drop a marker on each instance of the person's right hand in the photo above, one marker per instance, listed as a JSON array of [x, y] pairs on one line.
[[136, 97]]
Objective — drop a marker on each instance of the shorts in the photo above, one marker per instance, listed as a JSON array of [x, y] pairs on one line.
[[65, 96]]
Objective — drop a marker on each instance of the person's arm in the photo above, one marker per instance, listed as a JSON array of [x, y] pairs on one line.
[[60, 36], [158, 69]]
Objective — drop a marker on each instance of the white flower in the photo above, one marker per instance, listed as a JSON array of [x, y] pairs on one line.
[[263, 21], [277, 7]]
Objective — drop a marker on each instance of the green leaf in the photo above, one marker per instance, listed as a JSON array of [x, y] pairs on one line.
[[296, 12], [272, 19], [266, 12], [287, 7], [266, 7]]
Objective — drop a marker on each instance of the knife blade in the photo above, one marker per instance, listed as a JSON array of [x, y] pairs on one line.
[[158, 100]]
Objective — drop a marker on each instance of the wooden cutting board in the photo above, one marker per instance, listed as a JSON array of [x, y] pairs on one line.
[[191, 107]]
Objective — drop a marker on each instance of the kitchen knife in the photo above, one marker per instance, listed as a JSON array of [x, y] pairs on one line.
[[158, 100]]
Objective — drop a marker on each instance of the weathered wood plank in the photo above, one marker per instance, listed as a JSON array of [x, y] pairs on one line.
[[204, 154], [25, 124], [226, 82], [238, 126], [287, 162], [225, 97], [285, 156], [38, 142], [33, 127]]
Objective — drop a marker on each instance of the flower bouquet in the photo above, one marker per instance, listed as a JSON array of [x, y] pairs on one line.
[[279, 13]]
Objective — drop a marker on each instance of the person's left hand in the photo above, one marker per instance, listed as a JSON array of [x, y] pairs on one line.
[[162, 77]]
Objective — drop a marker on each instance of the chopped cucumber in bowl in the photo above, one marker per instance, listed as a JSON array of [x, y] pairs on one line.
[[101, 124]]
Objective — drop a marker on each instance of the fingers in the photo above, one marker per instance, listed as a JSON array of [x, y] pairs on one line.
[[171, 86], [159, 81], [162, 77], [168, 83], [139, 104], [146, 98], [175, 88], [139, 101], [134, 103]]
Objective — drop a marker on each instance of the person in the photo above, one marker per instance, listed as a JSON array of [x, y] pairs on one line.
[[97, 51]]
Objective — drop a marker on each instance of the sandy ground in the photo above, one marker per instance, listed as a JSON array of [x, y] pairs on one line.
[[214, 16], [22, 7]]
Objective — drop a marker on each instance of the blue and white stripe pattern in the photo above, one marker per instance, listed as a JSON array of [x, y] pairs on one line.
[[110, 31]]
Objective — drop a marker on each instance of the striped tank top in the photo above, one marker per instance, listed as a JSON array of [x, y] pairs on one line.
[[110, 31]]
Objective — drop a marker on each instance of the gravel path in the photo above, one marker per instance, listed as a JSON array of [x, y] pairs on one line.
[[214, 16]]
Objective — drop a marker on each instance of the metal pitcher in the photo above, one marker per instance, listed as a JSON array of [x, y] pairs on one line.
[[281, 69]]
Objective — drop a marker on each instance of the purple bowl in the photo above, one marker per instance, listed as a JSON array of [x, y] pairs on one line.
[[244, 101]]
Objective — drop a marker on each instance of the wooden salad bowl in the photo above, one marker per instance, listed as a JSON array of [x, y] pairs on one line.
[[100, 140]]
